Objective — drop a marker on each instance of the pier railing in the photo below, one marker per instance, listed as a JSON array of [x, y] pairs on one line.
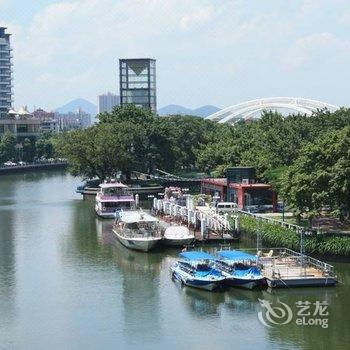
[[301, 260], [294, 227], [205, 219]]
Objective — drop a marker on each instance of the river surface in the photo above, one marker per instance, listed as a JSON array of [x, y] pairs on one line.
[[66, 283]]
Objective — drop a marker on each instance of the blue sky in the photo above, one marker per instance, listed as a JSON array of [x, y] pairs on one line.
[[218, 52]]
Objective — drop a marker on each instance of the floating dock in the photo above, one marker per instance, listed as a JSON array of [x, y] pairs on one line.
[[285, 268]]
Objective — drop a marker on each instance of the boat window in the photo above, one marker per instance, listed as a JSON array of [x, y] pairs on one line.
[[116, 205], [132, 225], [117, 191]]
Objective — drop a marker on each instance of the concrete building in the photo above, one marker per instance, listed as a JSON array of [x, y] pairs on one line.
[[242, 188], [137, 82], [106, 102], [48, 121], [73, 120], [5, 73], [21, 123]]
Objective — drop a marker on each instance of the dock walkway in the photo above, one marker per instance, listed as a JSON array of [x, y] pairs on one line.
[[208, 225]]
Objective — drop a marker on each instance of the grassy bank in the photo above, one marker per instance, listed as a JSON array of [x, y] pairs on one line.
[[278, 236]]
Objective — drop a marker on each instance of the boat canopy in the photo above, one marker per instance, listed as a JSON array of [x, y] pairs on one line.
[[236, 255], [113, 185], [194, 255], [113, 199], [132, 216]]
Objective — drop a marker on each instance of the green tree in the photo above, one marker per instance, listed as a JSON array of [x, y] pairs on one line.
[[28, 150], [320, 176], [44, 146], [8, 147]]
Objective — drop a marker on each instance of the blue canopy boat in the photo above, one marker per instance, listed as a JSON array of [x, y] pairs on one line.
[[196, 269], [240, 269]]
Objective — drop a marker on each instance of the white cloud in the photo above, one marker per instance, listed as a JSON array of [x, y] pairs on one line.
[[70, 48], [94, 27], [198, 17], [316, 48]]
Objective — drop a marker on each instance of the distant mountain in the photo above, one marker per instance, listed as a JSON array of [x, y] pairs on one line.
[[173, 109], [74, 105], [203, 111]]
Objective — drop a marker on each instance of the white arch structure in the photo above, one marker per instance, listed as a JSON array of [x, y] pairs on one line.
[[249, 109]]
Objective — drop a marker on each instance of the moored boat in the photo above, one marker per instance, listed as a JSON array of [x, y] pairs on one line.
[[113, 196], [137, 230], [196, 269], [240, 269], [177, 236]]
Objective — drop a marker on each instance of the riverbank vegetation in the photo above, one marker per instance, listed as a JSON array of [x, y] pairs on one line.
[[279, 236], [133, 139], [307, 159], [26, 149]]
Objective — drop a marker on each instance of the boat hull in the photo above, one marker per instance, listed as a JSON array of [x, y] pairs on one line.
[[301, 282], [105, 215], [140, 244], [245, 283], [194, 282], [170, 242]]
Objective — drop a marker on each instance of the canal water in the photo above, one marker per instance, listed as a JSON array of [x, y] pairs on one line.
[[66, 283]]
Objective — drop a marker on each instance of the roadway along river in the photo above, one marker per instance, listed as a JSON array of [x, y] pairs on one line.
[[66, 283]]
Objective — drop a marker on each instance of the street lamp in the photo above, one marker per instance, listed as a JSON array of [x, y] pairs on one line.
[[19, 148], [216, 199]]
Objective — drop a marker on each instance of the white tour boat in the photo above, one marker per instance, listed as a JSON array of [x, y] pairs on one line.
[[137, 230], [113, 196]]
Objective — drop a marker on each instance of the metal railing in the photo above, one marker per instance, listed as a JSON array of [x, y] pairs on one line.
[[294, 227]]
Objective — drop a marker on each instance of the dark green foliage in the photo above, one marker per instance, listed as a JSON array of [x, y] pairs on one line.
[[320, 176], [26, 149], [133, 139], [278, 236], [44, 146], [7, 147], [305, 158]]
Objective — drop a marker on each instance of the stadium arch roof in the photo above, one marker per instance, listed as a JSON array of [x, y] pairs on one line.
[[252, 109]]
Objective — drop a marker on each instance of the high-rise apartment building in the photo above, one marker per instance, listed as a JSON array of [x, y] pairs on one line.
[[106, 102], [137, 81], [5, 73]]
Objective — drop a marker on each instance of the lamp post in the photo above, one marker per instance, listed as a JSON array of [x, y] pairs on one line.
[[19, 148], [216, 199]]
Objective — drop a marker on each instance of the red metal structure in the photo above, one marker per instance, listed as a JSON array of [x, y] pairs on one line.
[[244, 194]]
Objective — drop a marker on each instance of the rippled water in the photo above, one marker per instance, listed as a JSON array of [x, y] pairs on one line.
[[66, 283]]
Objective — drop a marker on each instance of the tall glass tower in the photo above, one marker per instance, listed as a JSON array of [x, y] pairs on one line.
[[5, 73], [137, 77]]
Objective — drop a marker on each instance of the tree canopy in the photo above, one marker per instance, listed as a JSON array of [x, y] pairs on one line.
[[305, 158]]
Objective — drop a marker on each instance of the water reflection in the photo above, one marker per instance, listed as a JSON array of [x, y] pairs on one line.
[[7, 263], [65, 279], [200, 302], [140, 286]]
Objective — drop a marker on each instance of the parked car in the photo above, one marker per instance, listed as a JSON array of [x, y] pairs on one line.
[[9, 163], [226, 207], [22, 163]]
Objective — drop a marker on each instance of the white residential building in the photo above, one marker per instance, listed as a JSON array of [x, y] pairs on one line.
[[107, 101], [5, 73]]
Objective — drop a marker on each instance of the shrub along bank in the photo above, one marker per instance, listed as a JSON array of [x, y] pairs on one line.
[[279, 236]]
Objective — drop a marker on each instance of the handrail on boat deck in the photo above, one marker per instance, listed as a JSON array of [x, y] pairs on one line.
[[302, 259]]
